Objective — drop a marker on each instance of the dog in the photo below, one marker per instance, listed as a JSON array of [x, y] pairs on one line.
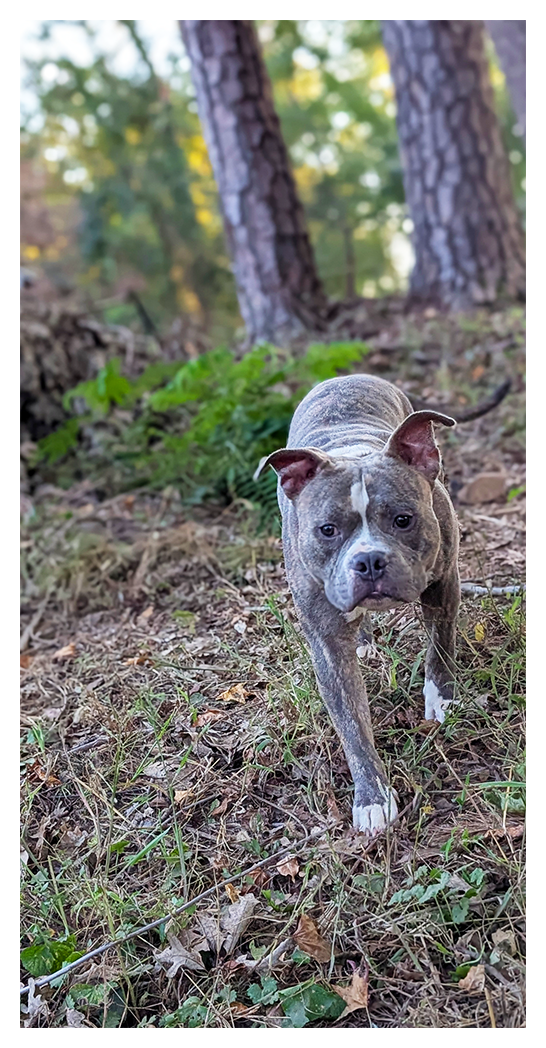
[[367, 525]]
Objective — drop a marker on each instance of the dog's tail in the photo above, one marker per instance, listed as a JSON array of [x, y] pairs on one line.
[[467, 414]]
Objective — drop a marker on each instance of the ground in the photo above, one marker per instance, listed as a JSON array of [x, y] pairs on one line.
[[173, 736]]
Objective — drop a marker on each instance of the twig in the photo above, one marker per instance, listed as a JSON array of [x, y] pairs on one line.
[[467, 414], [27, 633], [468, 589], [46, 979]]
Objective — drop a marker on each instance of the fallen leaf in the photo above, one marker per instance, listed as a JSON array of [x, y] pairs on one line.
[[207, 717], [331, 804], [155, 771], [479, 632], [288, 868], [474, 980], [220, 809], [240, 626], [238, 1008], [237, 693], [236, 919], [478, 372], [231, 892], [67, 652], [505, 940], [138, 660], [25, 661], [146, 614], [178, 956], [74, 1018], [309, 939], [44, 776], [260, 877], [355, 995], [35, 1006], [515, 831], [180, 795], [485, 487]]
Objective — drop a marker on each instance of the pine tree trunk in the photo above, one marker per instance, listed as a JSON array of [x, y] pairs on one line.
[[509, 40], [467, 236], [277, 284]]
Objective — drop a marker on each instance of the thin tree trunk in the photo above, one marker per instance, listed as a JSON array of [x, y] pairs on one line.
[[509, 40], [467, 235], [350, 263], [277, 284]]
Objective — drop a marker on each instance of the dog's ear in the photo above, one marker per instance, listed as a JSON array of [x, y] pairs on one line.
[[413, 442], [295, 467]]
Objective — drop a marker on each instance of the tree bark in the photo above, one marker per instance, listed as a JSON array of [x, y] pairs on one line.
[[278, 287], [509, 38], [467, 235]]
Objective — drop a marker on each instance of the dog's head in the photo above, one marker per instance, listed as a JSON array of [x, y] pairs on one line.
[[367, 529]]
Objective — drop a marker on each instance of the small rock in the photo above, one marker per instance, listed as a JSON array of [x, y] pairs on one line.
[[485, 487]]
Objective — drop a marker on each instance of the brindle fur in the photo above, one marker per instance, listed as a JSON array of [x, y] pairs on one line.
[[348, 423]]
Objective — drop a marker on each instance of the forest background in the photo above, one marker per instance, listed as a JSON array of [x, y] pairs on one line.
[[172, 733]]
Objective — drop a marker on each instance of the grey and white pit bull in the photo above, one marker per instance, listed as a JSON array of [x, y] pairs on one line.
[[367, 525]]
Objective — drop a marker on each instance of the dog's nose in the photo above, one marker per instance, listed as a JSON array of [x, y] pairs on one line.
[[370, 565]]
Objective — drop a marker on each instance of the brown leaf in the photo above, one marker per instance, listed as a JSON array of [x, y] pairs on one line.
[[138, 660], [355, 995], [238, 1008], [220, 809], [505, 940], [474, 980], [44, 776], [515, 831], [67, 652], [180, 795], [288, 868], [146, 614], [237, 693], [25, 661], [207, 717], [231, 892], [484, 487], [309, 939]]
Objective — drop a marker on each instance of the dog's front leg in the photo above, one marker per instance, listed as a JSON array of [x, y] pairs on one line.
[[333, 642], [440, 603]]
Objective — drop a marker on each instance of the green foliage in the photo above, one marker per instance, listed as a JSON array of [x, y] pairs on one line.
[[57, 444], [425, 885], [47, 955], [307, 1002], [209, 426]]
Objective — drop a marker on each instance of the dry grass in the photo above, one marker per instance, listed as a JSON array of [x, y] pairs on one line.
[[144, 782]]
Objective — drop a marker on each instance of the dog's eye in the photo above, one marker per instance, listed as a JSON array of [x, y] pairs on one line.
[[329, 530], [402, 521]]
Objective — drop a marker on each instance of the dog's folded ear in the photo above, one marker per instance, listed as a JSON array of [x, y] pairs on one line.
[[413, 442], [295, 467]]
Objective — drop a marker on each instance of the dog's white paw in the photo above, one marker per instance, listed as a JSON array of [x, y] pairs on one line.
[[372, 818], [435, 705]]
